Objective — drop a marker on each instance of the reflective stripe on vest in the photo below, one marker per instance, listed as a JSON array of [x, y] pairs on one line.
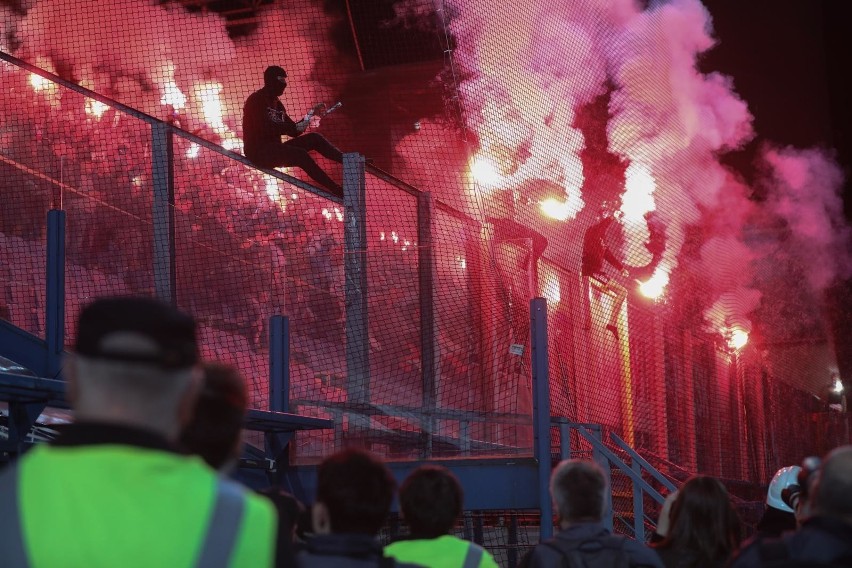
[[11, 536], [473, 556], [224, 526], [216, 552]]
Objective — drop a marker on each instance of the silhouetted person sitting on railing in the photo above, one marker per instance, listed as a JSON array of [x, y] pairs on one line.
[[264, 122]]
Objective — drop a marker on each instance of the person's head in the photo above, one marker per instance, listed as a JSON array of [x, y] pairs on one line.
[[275, 79], [832, 489], [289, 511], [431, 501], [215, 430], [703, 519], [578, 488], [135, 365], [354, 493]]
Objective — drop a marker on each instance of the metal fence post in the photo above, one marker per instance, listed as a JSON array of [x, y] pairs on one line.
[[355, 270], [427, 316], [162, 172], [541, 410], [279, 364], [55, 313]]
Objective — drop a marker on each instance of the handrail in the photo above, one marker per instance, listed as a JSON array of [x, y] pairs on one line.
[[642, 461], [592, 434], [112, 103], [635, 477]]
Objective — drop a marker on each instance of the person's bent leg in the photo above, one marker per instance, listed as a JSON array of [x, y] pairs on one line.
[[317, 142], [299, 158], [620, 293]]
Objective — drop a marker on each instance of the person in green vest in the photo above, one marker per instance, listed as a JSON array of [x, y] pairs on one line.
[[112, 489], [431, 501]]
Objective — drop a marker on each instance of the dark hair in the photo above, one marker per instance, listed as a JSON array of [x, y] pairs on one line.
[[431, 501], [289, 511], [578, 487], [703, 520], [217, 422], [357, 489], [833, 484]]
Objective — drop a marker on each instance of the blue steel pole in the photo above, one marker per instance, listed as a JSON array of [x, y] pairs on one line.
[[541, 410], [279, 364], [55, 316]]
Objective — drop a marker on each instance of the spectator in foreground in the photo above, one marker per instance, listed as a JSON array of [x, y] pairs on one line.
[[111, 489], [290, 511], [431, 500], [579, 491], [703, 528], [825, 537], [216, 427], [354, 494]]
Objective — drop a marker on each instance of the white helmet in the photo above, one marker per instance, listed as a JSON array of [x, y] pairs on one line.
[[784, 478]]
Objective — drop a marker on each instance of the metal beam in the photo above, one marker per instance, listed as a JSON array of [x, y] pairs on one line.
[[355, 271], [541, 410], [162, 166]]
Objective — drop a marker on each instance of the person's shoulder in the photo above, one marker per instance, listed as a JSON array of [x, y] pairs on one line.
[[638, 553]]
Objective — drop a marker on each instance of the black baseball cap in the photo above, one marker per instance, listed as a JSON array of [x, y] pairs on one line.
[[172, 331]]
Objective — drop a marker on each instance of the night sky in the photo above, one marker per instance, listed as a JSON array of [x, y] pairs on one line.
[[790, 59]]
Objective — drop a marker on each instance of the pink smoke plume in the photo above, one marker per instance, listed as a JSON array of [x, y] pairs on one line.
[[805, 188], [524, 65]]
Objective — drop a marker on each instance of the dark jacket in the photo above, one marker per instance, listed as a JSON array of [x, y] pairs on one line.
[[595, 250], [543, 556], [676, 557], [344, 551], [820, 539], [264, 122]]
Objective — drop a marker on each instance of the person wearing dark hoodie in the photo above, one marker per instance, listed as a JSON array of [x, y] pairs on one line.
[[265, 121]]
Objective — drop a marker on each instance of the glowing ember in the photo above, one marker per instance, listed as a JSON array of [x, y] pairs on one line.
[[272, 188], [233, 144], [208, 94], [38, 82], [338, 214], [95, 108], [555, 209], [193, 150], [838, 385], [326, 213], [485, 171], [737, 338], [655, 286], [638, 197], [462, 262], [172, 95]]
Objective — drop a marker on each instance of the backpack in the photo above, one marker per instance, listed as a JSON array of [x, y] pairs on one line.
[[605, 552]]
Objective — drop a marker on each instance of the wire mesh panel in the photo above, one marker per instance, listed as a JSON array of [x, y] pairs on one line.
[[578, 151]]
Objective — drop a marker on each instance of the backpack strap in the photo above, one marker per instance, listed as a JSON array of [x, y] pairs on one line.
[[11, 532], [224, 525], [473, 556], [570, 551]]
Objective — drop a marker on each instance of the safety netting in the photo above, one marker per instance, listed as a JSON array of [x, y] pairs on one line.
[[572, 150]]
